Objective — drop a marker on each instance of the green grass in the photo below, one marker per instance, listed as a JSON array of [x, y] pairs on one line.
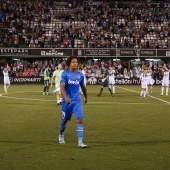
[[122, 133]]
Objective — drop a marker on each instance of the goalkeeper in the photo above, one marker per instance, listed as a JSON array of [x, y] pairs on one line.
[[46, 81], [105, 82]]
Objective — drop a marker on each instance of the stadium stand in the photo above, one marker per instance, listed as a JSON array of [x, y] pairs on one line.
[[120, 24]]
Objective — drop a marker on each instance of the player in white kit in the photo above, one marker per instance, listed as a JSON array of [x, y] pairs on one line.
[[150, 80], [143, 79], [6, 78], [112, 79], [84, 74], [165, 80]]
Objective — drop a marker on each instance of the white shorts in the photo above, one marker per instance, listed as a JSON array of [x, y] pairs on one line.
[[144, 85], [111, 81], [6, 81], [57, 87], [150, 81], [165, 83]]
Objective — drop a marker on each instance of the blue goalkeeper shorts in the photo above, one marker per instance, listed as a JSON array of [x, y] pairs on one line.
[[75, 107]]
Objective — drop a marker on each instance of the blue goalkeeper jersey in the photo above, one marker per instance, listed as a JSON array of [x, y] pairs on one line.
[[72, 81]]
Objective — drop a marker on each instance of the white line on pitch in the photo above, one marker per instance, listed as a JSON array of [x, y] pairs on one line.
[[147, 95], [27, 99]]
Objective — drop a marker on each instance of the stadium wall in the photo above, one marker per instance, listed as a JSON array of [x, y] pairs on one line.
[[82, 52]]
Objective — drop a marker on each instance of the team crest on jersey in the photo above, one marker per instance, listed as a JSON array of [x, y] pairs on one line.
[[78, 76]]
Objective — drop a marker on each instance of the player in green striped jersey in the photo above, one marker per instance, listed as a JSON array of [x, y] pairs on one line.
[[46, 81]]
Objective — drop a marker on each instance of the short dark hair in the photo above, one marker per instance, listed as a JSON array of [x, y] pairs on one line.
[[68, 62]]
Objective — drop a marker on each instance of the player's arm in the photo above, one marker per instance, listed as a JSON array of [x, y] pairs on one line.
[[165, 67], [63, 93], [52, 81], [84, 90]]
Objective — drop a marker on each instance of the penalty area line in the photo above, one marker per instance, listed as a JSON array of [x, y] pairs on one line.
[[147, 95]]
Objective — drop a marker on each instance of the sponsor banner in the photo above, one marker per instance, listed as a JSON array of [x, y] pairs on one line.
[[99, 52], [25, 80], [120, 81], [92, 80], [51, 52], [163, 53], [128, 52], [15, 51], [147, 53]]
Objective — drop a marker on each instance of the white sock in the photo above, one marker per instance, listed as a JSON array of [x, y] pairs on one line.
[[150, 88], [61, 99], [144, 93], [167, 88], [141, 93], [5, 87], [113, 89], [58, 101], [147, 89], [162, 90]]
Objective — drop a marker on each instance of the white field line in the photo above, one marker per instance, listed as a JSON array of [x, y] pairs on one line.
[[147, 95]]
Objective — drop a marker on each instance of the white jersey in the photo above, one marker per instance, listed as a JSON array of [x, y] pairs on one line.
[[149, 78], [165, 80], [6, 74], [143, 78], [166, 75], [111, 77], [84, 74], [149, 74], [6, 77]]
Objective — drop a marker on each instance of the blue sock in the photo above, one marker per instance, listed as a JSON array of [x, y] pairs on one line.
[[80, 132], [62, 127]]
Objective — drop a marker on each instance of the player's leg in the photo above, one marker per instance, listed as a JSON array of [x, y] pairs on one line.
[[66, 115], [60, 96], [113, 88], [167, 87], [162, 89], [78, 112], [141, 93], [101, 91], [144, 91], [5, 87], [47, 88], [110, 91], [7, 84]]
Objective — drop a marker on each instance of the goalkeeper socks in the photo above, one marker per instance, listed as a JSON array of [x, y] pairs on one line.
[[80, 132], [62, 127], [101, 90], [110, 90]]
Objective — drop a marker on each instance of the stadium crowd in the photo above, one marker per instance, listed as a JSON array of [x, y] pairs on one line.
[[44, 24], [123, 69]]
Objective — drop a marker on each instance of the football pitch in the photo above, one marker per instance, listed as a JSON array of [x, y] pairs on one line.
[[124, 132]]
